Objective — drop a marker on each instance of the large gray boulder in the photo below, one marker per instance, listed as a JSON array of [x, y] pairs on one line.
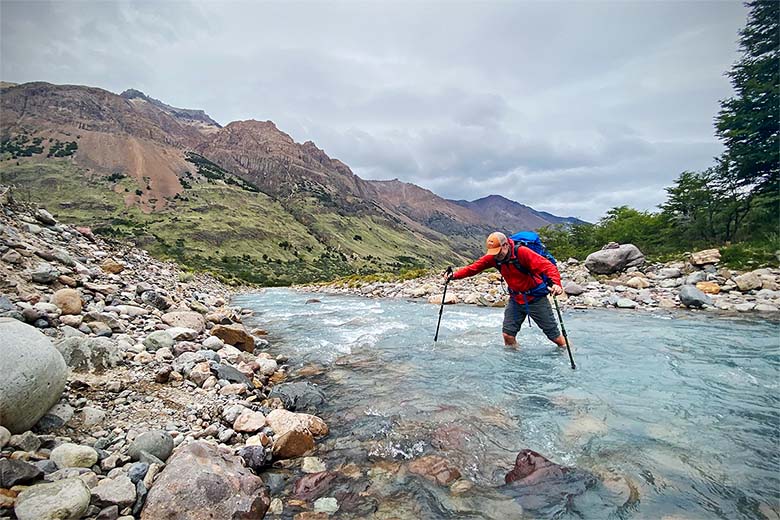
[[33, 375], [202, 481], [301, 396], [691, 296], [85, 354], [614, 258]]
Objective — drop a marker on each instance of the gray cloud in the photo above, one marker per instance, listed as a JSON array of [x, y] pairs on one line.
[[571, 107]]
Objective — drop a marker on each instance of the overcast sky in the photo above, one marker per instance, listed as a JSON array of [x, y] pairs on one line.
[[570, 107]]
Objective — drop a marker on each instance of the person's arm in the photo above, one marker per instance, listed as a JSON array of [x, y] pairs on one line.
[[539, 265], [486, 262]]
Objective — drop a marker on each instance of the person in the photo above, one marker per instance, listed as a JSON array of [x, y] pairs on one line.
[[527, 274]]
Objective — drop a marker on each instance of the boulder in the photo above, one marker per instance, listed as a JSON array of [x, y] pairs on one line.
[[707, 256], [299, 397], [573, 289], [449, 299], [85, 354], [185, 319], [690, 296], [67, 300], [203, 482], [708, 287], [235, 335], [748, 282], [66, 499], [283, 421], [541, 485], [293, 444], [614, 260], [13, 472], [33, 375], [156, 442], [70, 455]]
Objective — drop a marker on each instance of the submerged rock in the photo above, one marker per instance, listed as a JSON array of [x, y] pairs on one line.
[[204, 482], [299, 396]]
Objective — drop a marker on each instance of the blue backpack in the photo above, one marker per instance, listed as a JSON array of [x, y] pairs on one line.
[[532, 241]]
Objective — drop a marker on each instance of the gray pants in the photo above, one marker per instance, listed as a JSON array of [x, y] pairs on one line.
[[539, 309]]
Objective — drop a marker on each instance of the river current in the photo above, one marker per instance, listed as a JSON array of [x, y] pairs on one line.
[[667, 416]]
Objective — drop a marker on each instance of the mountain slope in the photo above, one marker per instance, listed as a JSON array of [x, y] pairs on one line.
[[509, 216]]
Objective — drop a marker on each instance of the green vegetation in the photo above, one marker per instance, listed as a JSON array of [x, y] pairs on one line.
[[21, 146], [734, 205], [60, 149], [214, 172], [239, 236]]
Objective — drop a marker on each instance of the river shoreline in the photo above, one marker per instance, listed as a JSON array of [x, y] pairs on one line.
[[721, 291]]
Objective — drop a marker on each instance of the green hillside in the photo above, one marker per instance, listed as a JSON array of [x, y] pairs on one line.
[[228, 229]]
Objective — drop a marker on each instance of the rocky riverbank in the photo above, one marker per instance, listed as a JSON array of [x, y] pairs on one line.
[[131, 389], [696, 283]]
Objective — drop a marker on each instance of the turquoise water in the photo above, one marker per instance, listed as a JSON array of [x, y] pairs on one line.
[[673, 416]]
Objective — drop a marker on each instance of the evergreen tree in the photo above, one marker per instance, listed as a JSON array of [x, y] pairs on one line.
[[748, 121]]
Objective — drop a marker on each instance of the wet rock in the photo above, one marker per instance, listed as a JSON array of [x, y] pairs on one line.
[[66, 499], [434, 468], [690, 296], [203, 482], [74, 456], [613, 260], [33, 375], [85, 354], [156, 443], [185, 319], [256, 457], [235, 335], [67, 300], [299, 396], [13, 472], [313, 485], [283, 421], [293, 444], [541, 485], [326, 505]]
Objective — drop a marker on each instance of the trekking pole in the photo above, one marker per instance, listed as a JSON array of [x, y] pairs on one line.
[[444, 295], [563, 330]]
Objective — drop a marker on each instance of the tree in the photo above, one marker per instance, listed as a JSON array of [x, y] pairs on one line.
[[748, 122]]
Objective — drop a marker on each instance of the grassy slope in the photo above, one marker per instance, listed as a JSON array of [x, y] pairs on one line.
[[234, 233]]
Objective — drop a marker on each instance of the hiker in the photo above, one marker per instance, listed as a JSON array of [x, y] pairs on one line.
[[526, 273]]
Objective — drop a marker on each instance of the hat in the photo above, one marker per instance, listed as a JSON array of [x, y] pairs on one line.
[[494, 243]]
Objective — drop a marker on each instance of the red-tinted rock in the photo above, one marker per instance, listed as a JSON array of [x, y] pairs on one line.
[[434, 468], [313, 485], [203, 482], [531, 464]]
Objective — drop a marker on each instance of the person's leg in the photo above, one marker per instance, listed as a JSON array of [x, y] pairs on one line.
[[513, 319], [542, 314]]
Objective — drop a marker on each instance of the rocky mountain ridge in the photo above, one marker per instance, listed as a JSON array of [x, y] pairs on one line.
[[158, 158]]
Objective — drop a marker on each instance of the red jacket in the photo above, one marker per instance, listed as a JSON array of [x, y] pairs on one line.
[[517, 281]]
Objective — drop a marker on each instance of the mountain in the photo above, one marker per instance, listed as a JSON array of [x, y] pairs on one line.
[[509, 216], [197, 118], [244, 201]]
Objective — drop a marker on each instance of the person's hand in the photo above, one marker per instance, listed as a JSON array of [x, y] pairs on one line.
[[447, 275], [556, 290]]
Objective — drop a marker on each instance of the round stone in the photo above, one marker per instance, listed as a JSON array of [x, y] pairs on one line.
[[74, 456], [156, 442], [66, 499]]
